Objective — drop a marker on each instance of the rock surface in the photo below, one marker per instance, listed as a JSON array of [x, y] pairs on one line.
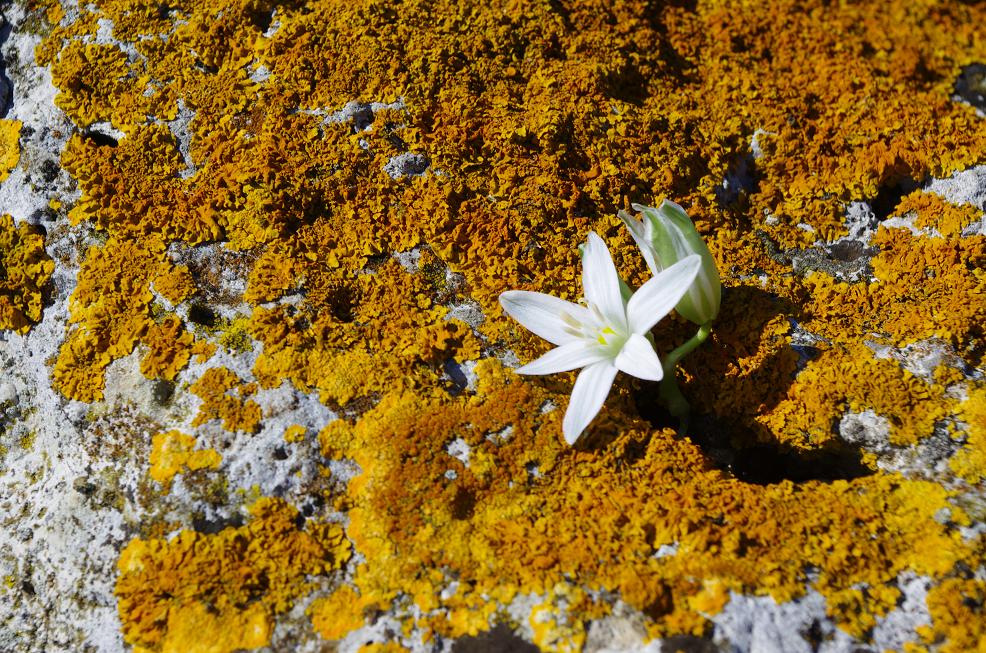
[[256, 391]]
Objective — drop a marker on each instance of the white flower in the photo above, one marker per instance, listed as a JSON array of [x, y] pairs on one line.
[[666, 235], [603, 337]]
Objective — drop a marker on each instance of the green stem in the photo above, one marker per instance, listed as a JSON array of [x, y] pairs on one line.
[[669, 392]]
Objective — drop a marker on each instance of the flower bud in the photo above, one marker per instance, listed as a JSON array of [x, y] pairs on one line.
[[666, 235]]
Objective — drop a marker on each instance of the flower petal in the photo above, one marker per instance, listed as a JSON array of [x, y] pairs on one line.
[[588, 395], [657, 297], [638, 358], [601, 283], [642, 232], [544, 315], [570, 356]]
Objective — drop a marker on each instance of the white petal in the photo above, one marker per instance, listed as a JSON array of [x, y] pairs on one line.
[[657, 297], [638, 358], [570, 356], [601, 283], [544, 315], [642, 231], [588, 395]]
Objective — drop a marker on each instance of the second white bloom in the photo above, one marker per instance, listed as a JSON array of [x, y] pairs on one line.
[[603, 337]]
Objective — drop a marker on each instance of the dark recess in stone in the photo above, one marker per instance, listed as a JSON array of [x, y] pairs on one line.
[[212, 526], [162, 391], [202, 314], [688, 644], [758, 463], [971, 85], [849, 250], [889, 196], [463, 504], [457, 377], [99, 138], [6, 84], [500, 639], [49, 171]]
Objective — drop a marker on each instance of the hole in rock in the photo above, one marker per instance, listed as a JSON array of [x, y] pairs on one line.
[[202, 314], [688, 644], [849, 250], [99, 138], [208, 526], [463, 504], [499, 639], [262, 19], [162, 391], [971, 85], [889, 196], [342, 301], [760, 463]]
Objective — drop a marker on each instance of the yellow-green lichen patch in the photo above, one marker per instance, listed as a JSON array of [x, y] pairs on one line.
[[851, 379], [25, 267], [236, 411], [174, 452], [10, 150], [219, 593]]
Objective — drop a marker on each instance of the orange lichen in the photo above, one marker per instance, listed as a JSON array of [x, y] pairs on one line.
[[169, 349], [932, 212], [853, 380], [25, 268], [10, 150], [173, 453], [236, 412], [538, 121], [506, 533], [112, 315], [220, 593]]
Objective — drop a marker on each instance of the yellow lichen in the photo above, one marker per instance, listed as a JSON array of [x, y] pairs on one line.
[[295, 433], [970, 461], [338, 614], [113, 315], [236, 413], [25, 268], [173, 453], [169, 349], [219, 593], [10, 151], [955, 605]]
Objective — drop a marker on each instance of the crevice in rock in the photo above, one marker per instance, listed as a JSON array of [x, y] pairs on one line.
[[6, 83], [499, 639], [761, 463], [889, 195], [971, 86]]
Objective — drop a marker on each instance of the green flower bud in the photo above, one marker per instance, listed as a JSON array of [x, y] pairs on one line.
[[666, 235]]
